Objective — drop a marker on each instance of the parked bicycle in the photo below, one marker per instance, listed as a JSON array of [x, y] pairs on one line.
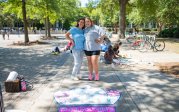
[[156, 44], [144, 42]]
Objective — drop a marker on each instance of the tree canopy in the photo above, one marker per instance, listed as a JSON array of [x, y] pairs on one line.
[[108, 13]]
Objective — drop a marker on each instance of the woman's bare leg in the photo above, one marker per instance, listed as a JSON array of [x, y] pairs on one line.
[[90, 67], [95, 66]]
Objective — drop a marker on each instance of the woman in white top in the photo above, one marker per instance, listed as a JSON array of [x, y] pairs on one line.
[[94, 36]]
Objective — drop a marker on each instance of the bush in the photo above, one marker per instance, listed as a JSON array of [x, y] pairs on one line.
[[171, 32], [176, 33], [146, 29], [154, 29]]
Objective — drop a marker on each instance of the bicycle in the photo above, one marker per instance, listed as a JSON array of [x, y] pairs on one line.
[[131, 39], [155, 44], [137, 42], [146, 42]]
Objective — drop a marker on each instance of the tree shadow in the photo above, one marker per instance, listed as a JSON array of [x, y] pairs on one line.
[[151, 89], [37, 66]]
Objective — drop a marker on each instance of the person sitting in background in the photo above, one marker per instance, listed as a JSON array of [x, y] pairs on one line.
[[106, 43], [56, 51], [116, 49], [109, 55], [69, 46]]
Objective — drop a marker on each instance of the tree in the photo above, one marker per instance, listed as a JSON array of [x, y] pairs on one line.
[[109, 12], [109, 6], [167, 13], [25, 21], [49, 11], [164, 12], [45, 11], [122, 19], [18, 7], [5, 19]]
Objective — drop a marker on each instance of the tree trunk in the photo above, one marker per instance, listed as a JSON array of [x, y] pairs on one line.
[[25, 21], [159, 27], [115, 28], [122, 18], [48, 26], [47, 23]]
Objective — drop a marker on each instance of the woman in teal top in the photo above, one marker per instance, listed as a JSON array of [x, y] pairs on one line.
[[76, 36]]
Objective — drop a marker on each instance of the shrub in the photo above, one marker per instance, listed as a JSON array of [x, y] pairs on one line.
[[176, 33], [168, 32], [154, 29], [146, 29]]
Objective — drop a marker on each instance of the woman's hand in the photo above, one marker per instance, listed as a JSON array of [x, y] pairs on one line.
[[98, 40]]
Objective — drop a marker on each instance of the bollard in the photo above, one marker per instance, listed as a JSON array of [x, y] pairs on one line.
[[1, 101]]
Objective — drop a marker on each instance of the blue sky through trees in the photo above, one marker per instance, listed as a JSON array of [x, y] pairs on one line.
[[84, 2]]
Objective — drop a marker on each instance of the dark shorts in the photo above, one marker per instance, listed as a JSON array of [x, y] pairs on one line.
[[90, 53]]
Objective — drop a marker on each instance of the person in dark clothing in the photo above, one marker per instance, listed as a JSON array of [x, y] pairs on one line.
[[116, 49], [109, 55], [3, 33]]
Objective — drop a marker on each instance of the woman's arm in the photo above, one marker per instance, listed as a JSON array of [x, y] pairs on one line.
[[67, 35]]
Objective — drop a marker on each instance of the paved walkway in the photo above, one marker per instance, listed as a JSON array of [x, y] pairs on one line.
[[143, 87]]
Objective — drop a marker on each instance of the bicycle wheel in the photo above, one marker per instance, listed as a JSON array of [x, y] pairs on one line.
[[159, 45], [147, 45], [130, 39]]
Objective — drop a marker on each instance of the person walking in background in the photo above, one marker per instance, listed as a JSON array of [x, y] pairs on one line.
[[3, 33], [76, 36], [8, 33], [94, 36]]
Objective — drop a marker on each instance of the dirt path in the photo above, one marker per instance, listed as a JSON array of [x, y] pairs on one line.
[[172, 46]]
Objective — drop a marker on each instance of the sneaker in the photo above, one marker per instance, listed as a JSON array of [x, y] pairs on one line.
[[79, 77], [90, 77], [97, 77], [72, 77], [76, 78]]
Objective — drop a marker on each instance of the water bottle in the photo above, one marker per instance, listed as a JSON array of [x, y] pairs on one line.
[[23, 85]]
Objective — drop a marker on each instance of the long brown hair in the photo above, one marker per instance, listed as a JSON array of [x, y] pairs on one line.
[[77, 24]]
